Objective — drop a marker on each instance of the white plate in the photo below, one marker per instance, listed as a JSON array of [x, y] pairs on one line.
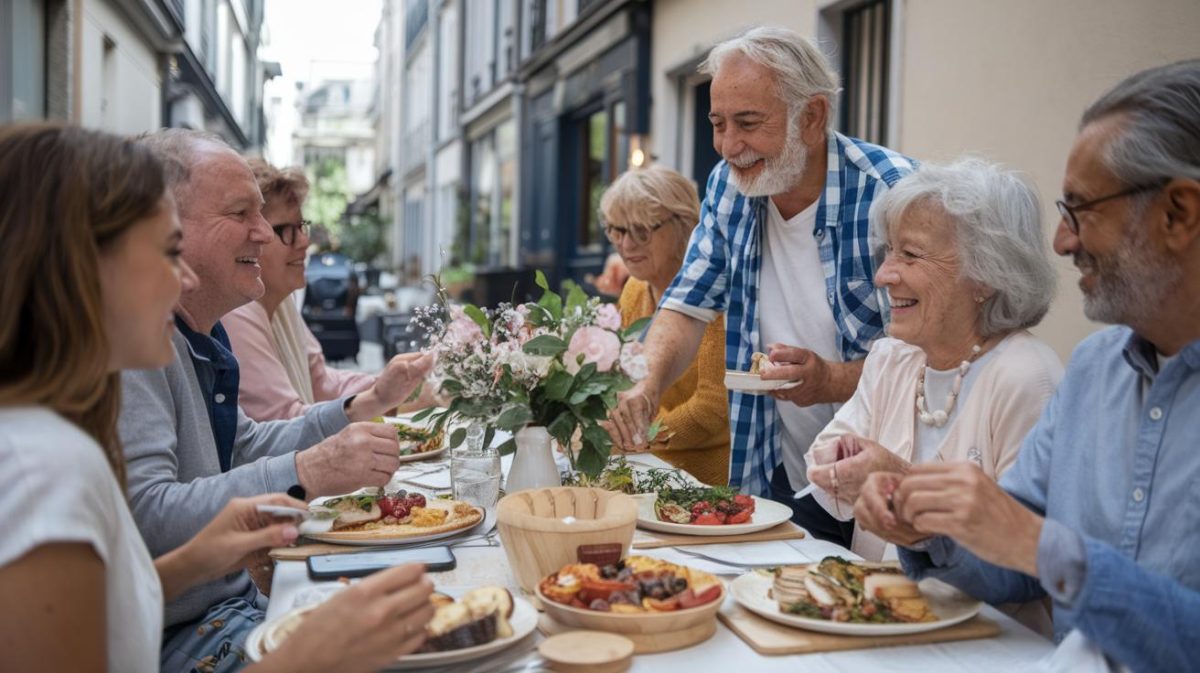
[[949, 604], [753, 383], [767, 513], [523, 621], [333, 538], [423, 456]]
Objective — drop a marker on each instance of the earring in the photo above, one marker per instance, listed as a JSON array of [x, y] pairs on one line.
[[979, 299]]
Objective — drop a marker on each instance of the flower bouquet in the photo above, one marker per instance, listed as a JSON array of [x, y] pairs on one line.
[[555, 363]]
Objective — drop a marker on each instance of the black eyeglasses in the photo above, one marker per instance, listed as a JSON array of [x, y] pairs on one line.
[[287, 232], [640, 234], [1069, 213]]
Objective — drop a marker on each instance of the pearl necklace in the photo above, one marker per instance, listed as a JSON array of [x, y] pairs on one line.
[[940, 417]]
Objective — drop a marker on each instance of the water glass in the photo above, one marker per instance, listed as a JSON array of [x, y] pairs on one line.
[[475, 476]]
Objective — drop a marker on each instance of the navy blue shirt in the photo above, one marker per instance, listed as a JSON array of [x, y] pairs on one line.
[[217, 371]]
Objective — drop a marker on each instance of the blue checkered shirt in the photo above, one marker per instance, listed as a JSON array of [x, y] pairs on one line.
[[720, 274]]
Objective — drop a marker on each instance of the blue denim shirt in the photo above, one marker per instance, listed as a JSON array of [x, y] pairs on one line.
[[1113, 464], [217, 370]]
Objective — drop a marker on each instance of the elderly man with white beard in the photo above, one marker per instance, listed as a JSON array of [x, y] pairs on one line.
[[782, 250]]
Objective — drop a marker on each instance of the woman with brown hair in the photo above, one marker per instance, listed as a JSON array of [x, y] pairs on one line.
[[88, 290]]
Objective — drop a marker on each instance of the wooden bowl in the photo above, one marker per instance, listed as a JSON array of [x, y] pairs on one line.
[[649, 631], [542, 529]]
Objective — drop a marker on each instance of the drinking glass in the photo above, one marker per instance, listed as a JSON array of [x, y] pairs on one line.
[[475, 476]]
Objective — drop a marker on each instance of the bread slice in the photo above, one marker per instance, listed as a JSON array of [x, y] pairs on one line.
[[890, 585], [353, 510]]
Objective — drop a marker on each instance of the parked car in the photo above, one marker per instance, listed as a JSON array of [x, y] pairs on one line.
[[330, 300]]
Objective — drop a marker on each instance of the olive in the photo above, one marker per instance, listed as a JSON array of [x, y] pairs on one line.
[[600, 605], [678, 584]]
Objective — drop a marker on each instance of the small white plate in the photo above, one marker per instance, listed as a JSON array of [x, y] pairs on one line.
[[485, 524], [767, 514], [423, 455], [949, 604], [523, 621], [753, 383]]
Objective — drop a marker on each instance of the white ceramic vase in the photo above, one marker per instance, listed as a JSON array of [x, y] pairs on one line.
[[533, 463]]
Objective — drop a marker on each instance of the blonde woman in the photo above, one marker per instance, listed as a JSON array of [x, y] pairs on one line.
[[648, 216]]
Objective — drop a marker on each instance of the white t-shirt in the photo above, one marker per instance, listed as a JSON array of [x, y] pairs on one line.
[[57, 486], [794, 309]]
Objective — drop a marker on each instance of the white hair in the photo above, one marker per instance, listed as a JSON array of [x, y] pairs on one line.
[[998, 228], [801, 70]]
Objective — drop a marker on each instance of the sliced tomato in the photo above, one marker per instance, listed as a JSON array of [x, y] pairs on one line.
[[664, 605], [741, 517], [687, 599], [707, 520], [590, 590], [744, 501], [708, 594]]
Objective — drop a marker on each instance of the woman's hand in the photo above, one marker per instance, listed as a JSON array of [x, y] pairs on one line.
[[875, 510], [854, 459], [365, 627], [227, 543]]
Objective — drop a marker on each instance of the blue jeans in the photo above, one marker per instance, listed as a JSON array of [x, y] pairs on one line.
[[215, 643], [808, 513]]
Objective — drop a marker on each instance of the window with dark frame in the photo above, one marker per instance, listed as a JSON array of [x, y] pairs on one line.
[[866, 46]]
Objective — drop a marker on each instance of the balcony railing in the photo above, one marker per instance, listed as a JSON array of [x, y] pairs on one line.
[[415, 146]]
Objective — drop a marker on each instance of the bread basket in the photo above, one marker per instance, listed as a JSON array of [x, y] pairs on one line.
[[542, 529]]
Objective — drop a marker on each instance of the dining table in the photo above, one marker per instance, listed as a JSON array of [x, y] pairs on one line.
[[481, 561]]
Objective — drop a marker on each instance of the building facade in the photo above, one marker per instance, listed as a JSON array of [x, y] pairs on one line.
[[549, 100], [129, 66]]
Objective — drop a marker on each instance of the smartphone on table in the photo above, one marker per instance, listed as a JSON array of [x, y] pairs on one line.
[[360, 564]]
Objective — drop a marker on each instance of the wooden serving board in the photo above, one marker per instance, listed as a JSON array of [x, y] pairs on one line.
[[304, 550], [766, 637], [649, 540]]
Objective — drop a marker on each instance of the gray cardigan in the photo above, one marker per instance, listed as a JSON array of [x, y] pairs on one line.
[[175, 481]]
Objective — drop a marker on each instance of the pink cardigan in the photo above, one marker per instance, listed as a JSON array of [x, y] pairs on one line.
[[1002, 406], [265, 393]]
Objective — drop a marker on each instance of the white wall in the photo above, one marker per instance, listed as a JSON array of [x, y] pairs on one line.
[[122, 92]]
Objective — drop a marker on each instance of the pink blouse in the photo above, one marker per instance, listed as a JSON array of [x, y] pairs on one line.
[[265, 393]]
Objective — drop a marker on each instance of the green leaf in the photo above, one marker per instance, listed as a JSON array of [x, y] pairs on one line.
[[636, 328], [423, 414], [540, 279], [552, 303], [475, 313], [507, 447], [488, 436], [653, 430], [586, 372], [514, 416], [557, 386], [546, 344], [457, 437], [576, 297], [562, 427]]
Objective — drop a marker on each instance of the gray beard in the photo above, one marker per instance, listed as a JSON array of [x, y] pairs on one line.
[[1132, 284], [779, 174]]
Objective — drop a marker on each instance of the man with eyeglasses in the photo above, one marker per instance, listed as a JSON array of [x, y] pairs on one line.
[[1101, 511], [188, 446], [781, 250]]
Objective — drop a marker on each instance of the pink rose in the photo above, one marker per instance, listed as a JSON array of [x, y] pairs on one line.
[[608, 317], [633, 361], [595, 345], [462, 330]]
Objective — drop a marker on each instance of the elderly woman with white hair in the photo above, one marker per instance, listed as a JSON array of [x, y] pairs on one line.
[[960, 378]]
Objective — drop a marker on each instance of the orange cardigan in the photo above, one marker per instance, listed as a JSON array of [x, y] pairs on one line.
[[695, 409]]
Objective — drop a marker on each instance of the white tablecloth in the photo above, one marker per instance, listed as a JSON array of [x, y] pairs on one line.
[[1015, 649]]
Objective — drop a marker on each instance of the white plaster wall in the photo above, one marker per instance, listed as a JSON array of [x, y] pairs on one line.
[[134, 94]]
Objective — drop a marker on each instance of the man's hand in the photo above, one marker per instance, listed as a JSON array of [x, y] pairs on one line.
[[873, 510], [395, 384], [854, 459], [362, 454], [629, 423], [961, 502], [820, 381]]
